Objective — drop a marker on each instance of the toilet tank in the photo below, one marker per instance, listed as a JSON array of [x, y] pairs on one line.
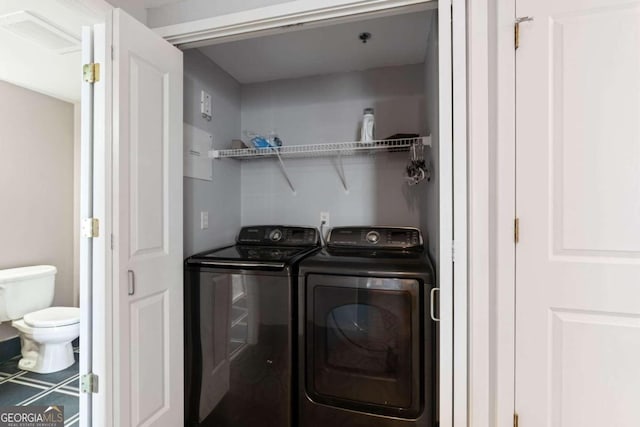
[[25, 289]]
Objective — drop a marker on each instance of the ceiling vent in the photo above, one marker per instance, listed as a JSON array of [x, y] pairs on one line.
[[36, 30]]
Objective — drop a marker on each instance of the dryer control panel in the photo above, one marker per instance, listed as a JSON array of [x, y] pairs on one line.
[[278, 235], [375, 237]]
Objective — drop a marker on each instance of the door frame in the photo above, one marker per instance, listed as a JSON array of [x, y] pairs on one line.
[[492, 212], [453, 57], [289, 16], [460, 238], [85, 252], [94, 203], [102, 305]]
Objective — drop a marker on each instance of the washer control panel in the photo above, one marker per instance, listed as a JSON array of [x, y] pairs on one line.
[[278, 235], [375, 237]]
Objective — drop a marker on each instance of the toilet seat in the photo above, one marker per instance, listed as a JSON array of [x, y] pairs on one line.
[[52, 317]]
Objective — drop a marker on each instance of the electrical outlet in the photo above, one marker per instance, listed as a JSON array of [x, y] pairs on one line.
[[204, 220], [324, 219]]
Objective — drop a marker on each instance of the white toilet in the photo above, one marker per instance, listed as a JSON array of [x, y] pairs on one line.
[[46, 333]]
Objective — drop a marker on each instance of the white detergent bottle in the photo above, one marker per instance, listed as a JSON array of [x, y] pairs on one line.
[[366, 134]]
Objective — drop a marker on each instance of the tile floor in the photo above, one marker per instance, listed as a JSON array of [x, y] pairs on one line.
[[28, 388]]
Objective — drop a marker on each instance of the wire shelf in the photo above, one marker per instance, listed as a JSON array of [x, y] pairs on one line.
[[319, 150]]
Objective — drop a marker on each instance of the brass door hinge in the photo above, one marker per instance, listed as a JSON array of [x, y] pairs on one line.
[[516, 230], [516, 29], [91, 72], [515, 420], [91, 228], [89, 383]]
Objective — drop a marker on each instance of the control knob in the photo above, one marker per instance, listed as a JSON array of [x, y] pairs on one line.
[[275, 235], [373, 237]]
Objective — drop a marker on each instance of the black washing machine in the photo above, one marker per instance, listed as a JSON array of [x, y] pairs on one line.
[[239, 320], [367, 342]]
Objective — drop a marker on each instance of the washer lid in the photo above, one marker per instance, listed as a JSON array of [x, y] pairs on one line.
[[52, 317]]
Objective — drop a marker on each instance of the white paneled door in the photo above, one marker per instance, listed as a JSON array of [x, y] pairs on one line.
[[147, 200], [578, 200]]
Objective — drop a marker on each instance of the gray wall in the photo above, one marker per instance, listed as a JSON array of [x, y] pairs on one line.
[[431, 220], [37, 185], [329, 108], [303, 111], [220, 197]]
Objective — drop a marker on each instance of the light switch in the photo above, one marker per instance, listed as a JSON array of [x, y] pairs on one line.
[[204, 220], [205, 105]]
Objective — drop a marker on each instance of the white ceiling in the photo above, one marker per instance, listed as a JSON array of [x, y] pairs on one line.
[[396, 40], [26, 62]]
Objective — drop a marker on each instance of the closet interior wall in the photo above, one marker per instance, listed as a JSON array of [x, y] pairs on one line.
[[310, 110], [329, 109], [430, 202], [221, 196]]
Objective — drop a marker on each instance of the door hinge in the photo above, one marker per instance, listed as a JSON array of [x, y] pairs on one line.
[[516, 29], [516, 230], [515, 420], [91, 72], [91, 228], [89, 383]]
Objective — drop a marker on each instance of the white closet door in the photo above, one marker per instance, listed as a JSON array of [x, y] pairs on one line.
[[578, 200], [147, 201]]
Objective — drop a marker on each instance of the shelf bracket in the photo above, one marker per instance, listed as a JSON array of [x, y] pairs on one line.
[[284, 171], [340, 168]]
